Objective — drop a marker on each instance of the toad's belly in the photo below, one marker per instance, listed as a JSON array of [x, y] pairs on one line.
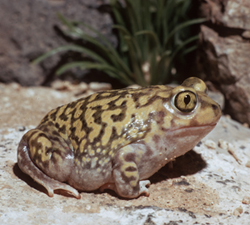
[[89, 179]]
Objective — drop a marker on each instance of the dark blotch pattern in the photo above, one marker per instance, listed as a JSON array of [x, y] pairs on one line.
[[60, 122], [130, 157], [131, 169]]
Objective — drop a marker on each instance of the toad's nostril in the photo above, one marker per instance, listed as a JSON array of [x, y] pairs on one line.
[[214, 106], [217, 109]]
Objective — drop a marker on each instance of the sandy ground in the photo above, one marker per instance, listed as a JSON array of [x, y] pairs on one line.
[[209, 184]]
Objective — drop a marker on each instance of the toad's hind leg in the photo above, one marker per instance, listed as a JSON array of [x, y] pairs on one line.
[[47, 159]]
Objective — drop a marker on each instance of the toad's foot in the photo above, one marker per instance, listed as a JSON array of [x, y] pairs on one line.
[[144, 184], [51, 185]]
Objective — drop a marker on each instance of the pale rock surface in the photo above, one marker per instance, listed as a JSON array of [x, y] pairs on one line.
[[205, 186]]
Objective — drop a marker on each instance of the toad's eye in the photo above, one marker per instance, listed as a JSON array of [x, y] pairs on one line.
[[185, 101]]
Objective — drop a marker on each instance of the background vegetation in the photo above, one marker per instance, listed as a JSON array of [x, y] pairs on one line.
[[153, 37]]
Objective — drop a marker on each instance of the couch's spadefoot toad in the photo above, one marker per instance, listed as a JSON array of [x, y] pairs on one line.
[[117, 139]]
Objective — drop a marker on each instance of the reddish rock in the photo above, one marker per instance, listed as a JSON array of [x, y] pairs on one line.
[[225, 51]]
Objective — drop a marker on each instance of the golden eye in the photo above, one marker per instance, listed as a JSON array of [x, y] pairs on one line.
[[185, 101]]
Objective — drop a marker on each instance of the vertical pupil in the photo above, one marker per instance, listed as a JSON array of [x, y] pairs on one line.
[[187, 99]]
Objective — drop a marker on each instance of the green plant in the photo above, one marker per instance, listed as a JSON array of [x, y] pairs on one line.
[[152, 35]]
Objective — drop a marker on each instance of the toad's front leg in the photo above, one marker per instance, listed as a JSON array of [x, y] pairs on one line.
[[126, 175]]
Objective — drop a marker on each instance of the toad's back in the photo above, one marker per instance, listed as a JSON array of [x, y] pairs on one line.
[[115, 139]]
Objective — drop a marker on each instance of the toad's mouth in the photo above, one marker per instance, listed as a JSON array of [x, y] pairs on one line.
[[195, 129], [181, 140], [212, 125]]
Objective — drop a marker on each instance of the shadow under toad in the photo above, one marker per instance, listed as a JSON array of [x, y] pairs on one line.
[[184, 165]]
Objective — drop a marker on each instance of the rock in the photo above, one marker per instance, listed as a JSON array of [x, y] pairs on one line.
[[224, 53], [246, 200], [210, 144], [30, 28], [83, 87], [248, 164], [61, 85], [223, 144], [95, 86], [135, 86], [228, 13], [226, 129], [77, 89], [238, 211]]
